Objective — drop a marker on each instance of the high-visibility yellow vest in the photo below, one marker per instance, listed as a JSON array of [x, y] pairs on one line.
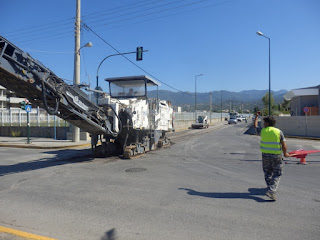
[[270, 140]]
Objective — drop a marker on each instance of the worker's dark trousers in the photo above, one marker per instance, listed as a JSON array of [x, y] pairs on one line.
[[272, 167]]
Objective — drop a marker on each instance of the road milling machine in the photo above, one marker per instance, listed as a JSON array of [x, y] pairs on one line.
[[124, 122]]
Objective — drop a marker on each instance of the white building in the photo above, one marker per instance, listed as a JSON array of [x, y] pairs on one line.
[[9, 100], [304, 98]]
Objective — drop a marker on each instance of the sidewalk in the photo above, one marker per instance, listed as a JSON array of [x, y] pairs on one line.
[[40, 143]]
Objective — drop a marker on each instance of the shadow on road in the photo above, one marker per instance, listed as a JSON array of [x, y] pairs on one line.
[[252, 193], [63, 157], [110, 235]]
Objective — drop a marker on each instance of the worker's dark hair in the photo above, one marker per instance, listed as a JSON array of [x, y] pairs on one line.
[[270, 121]]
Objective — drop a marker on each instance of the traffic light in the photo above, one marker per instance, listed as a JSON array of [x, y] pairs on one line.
[[139, 53], [23, 105]]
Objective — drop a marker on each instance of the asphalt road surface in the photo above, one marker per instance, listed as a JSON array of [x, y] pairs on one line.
[[208, 184]]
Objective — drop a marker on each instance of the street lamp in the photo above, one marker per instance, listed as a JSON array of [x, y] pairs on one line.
[[261, 34], [88, 44], [195, 95]]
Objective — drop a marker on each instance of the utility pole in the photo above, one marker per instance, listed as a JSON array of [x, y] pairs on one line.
[[76, 75]]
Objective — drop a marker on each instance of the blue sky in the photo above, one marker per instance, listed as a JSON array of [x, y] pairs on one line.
[[216, 38]]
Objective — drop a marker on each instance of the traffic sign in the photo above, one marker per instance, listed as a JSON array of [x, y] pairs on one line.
[[306, 109], [28, 108]]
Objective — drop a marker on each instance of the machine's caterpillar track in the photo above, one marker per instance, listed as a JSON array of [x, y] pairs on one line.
[[139, 149]]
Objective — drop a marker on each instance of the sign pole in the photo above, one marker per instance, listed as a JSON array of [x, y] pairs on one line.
[[54, 127], [306, 110], [28, 129], [28, 108], [306, 125]]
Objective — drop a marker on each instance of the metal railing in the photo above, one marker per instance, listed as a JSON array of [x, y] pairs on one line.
[[37, 117], [40, 118], [190, 116]]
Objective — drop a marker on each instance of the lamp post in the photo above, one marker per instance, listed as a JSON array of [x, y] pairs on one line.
[[195, 95], [261, 34], [221, 105], [210, 94]]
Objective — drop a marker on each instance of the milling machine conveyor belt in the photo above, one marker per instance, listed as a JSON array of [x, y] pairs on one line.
[[29, 78]]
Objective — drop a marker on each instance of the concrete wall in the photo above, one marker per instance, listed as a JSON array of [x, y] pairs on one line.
[[62, 133], [299, 125], [39, 132], [181, 124]]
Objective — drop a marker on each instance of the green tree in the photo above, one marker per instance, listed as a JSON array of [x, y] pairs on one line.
[[256, 109], [285, 105], [265, 101]]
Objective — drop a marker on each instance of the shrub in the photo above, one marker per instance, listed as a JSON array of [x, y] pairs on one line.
[[15, 133]]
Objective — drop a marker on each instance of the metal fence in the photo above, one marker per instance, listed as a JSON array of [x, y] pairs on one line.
[[40, 118], [190, 116], [37, 117]]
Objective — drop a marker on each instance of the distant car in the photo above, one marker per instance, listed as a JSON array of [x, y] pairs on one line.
[[232, 120], [241, 118]]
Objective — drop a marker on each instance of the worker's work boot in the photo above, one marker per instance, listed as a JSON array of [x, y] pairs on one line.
[[271, 195]]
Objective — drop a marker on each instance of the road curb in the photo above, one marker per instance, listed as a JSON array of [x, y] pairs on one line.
[[303, 138], [23, 234], [287, 136], [44, 147]]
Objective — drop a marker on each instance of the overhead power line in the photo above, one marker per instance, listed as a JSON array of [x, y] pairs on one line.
[[58, 27], [118, 9], [144, 10], [51, 36], [55, 33], [52, 25], [32, 50], [39, 28], [166, 15], [145, 13]]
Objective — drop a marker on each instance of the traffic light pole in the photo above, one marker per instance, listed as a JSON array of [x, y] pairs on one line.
[[138, 56]]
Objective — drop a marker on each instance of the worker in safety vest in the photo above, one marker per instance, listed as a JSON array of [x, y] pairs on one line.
[[272, 145]]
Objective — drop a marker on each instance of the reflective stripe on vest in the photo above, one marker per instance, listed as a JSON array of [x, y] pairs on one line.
[[270, 140]]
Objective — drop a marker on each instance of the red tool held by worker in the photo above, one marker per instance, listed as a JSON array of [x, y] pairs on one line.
[[302, 154]]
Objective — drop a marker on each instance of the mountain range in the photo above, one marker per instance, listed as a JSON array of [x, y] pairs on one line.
[[247, 99]]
